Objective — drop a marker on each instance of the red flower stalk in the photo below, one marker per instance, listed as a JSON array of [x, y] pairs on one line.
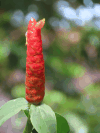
[[35, 77]]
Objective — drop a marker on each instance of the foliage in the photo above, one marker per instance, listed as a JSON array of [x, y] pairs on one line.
[[42, 118]]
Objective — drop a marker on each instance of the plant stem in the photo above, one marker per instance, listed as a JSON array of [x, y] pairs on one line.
[[29, 127]]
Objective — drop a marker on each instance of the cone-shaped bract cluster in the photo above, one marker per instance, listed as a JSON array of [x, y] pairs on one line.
[[35, 77]]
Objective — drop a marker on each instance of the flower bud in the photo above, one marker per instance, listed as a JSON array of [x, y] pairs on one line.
[[35, 70]]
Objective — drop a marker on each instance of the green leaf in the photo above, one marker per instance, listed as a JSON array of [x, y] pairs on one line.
[[43, 118], [11, 108], [62, 124]]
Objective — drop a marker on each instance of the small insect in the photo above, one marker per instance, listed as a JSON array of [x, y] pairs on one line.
[[35, 77]]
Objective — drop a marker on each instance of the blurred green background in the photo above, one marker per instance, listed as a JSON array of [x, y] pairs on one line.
[[71, 45]]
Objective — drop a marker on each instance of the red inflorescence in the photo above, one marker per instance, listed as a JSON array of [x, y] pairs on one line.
[[35, 77]]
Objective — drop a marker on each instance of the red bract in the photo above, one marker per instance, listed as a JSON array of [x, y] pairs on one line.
[[35, 77]]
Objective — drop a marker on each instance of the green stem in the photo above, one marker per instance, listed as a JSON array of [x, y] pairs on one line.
[[29, 127]]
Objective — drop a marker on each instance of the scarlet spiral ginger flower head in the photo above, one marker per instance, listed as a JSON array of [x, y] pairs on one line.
[[35, 77]]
